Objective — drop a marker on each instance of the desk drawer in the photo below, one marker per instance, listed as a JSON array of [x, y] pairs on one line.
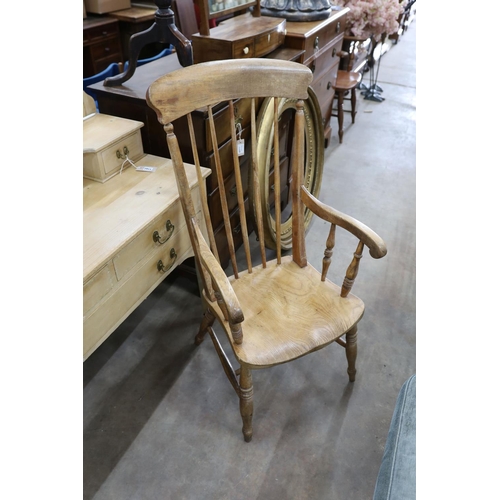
[[165, 228], [97, 287], [323, 37], [325, 92], [267, 42], [106, 48], [132, 290], [100, 32], [326, 60], [244, 48], [104, 164], [132, 144]]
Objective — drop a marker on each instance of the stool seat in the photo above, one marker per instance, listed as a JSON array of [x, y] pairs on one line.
[[347, 80]]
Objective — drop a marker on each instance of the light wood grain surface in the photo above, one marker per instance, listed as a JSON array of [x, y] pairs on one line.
[[289, 311], [116, 211]]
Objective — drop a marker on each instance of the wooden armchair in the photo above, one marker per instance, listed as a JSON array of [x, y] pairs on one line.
[[282, 309]]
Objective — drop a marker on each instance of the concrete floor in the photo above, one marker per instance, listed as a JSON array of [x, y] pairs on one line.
[[161, 420]]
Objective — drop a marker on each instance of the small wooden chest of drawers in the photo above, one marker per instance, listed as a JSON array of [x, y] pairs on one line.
[[134, 235], [321, 42], [240, 37], [107, 142]]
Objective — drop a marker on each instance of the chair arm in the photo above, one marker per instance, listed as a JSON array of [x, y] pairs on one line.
[[219, 278], [368, 237]]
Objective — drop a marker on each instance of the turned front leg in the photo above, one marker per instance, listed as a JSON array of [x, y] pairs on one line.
[[246, 401], [351, 351]]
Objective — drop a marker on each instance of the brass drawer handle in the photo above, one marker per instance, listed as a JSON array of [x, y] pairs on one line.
[[237, 229], [124, 155], [338, 27], [160, 265], [246, 50], [329, 86], [316, 42], [334, 52], [170, 228]]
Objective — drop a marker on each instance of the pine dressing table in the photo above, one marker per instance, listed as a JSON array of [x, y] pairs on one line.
[[134, 236]]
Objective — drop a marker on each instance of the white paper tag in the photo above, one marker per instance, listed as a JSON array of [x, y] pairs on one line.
[[241, 147], [145, 169]]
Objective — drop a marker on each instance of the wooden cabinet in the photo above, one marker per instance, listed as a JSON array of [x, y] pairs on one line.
[[321, 42], [101, 44], [238, 38], [134, 235]]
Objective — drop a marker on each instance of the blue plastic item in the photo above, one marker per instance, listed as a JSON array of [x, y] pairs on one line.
[[112, 70]]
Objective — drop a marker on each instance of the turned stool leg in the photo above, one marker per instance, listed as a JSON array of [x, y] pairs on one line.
[[353, 105], [206, 322], [246, 401], [340, 113], [351, 351]]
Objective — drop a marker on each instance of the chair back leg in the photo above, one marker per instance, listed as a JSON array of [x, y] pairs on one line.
[[340, 113]]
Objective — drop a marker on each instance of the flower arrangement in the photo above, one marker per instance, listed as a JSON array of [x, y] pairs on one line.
[[372, 17]]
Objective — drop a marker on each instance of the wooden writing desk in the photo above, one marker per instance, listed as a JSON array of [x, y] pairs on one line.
[[122, 262]]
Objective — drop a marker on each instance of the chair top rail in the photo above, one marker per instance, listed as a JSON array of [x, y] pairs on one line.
[[179, 92]]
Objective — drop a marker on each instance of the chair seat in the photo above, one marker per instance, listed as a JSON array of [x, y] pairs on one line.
[[289, 312], [347, 80]]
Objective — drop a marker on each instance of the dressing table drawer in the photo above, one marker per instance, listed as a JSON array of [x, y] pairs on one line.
[[133, 288], [158, 235]]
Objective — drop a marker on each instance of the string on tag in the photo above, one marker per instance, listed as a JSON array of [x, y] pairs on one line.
[[127, 159], [137, 169]]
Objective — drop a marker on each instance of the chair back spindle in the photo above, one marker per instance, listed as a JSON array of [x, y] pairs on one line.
[[299, 241], [256, 186], [277, 182], [222, 193], [203, 189], [239, 187], [187, 203]]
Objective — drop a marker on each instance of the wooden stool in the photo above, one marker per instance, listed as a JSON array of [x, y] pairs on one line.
[[347, 81]]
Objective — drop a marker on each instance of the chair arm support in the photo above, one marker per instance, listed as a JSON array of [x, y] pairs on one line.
[[219, 278], [368, 237]]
